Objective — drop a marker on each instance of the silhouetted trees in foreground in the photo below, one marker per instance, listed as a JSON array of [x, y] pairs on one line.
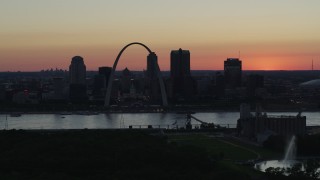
[[305, 170]]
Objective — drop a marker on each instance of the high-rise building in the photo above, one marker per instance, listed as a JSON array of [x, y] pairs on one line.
[[77, 71], [126, 80], [58, 87], [152, 83], [105, 71], [183, 85], [219, 85], [254, 82], [232, 73], [152, 63], [99, 85], [180, 63], [2, 92]]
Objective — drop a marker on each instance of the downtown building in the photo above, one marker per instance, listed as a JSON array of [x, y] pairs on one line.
[[181, 86], [255, 87], [100, 83], [77, 75], [233, 73], [152, 81]]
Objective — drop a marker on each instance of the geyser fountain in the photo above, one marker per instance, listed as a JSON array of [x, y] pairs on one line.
[[291, 150], [288, 161]]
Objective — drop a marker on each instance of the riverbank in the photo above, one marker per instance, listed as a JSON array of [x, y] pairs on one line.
[[89, 107], [93, 112]]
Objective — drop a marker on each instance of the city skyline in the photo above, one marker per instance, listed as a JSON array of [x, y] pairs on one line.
[[270, 35]]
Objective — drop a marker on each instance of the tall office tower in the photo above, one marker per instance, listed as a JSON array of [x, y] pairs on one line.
[[219, 85], [2, 92], [126, 80], [77, 73], [105, 71], [152, 82], [183, 85], [58, 87], [254, 82], [99, 86], [180, 63], [100, 82], [152, 63], [232, 73]]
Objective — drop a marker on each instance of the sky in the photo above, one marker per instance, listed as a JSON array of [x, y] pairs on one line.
[[270, 35]]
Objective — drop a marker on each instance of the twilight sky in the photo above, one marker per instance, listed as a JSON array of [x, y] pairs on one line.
[[271, 35]]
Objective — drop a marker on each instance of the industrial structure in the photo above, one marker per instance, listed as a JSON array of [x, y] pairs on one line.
[[203, 125], [260, 126]]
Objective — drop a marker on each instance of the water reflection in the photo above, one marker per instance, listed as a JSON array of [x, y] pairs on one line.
[[54, 121], [262, 166]]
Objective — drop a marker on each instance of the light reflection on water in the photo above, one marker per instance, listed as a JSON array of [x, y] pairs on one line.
[[262, 166]]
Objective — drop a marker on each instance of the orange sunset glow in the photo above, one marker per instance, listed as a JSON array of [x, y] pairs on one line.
[[270, 35]]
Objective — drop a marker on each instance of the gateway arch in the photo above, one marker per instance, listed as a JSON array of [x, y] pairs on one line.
[[109, 88]]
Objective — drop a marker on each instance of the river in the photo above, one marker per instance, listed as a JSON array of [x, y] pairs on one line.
[[119, 120]]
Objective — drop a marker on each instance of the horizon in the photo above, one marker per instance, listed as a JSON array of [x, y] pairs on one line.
[[271, 35], [119, 70]]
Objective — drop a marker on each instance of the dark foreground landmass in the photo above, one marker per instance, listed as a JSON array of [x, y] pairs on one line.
[[101, 154], [121, 154], [97, 154]]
